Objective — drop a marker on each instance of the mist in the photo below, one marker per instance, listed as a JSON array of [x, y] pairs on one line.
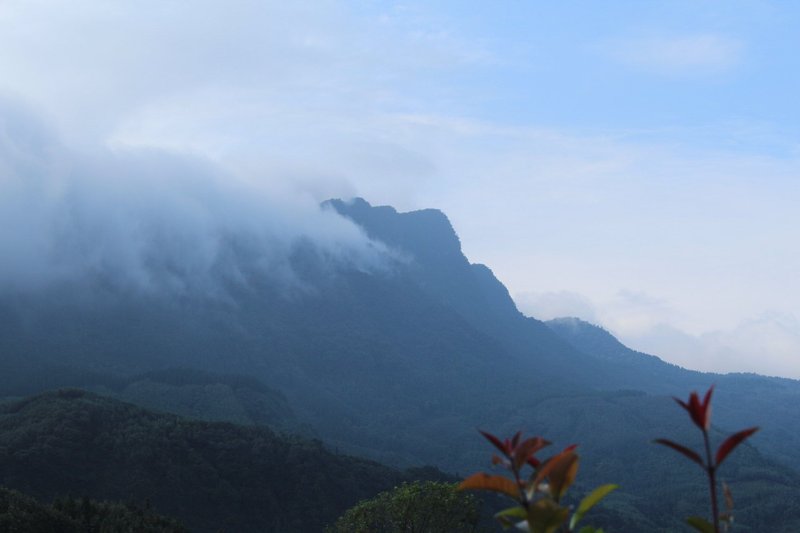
[[675, 176], [151, 220]]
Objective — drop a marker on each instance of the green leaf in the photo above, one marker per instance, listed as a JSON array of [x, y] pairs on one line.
[[590, 529], [590, 501], [700, 524], [546, 516], [511, 516]]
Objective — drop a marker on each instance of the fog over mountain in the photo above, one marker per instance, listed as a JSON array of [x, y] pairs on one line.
[[398, 365], [637, 159], [149, 219], [379, 226]]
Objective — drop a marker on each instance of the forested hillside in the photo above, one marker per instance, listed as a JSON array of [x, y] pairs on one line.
[[741, 399], [20, 513], [212, 476]]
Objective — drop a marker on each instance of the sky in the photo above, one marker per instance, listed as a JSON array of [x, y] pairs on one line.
[[635, 164]]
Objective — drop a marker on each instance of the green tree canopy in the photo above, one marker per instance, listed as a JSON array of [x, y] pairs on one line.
[[419, 507]]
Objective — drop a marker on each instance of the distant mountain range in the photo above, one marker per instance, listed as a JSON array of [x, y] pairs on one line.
[[401, 365]]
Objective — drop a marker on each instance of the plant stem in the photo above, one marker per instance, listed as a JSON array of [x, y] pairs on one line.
[[711, 468], [523, 495]]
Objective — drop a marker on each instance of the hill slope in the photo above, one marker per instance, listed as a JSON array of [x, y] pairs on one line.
[[740, 399], [210, 475]]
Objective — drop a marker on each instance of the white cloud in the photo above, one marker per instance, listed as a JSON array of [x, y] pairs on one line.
[[549, 305], [95, 65], [766, 344], [149, 219], [703, 53], [322, 99]]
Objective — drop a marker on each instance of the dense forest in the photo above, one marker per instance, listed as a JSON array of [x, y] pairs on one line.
[[216, 476], [212, 476], [20, 513]]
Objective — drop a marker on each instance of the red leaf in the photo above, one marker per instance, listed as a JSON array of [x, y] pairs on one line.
[[552, 463], [706, 408], [708, 396], [732, 442], [562, 474], [524, 452], [699, 412], [682, 404], [681, 449], [494, 440]]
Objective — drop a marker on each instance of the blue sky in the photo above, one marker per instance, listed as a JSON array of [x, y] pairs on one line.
[[634, 67], [636, 164]]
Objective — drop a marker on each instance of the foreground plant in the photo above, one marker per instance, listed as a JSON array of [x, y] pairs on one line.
[[700, 413], [538, 494]]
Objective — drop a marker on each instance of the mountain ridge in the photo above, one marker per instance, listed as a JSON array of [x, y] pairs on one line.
[[735, 404], [401, 364]]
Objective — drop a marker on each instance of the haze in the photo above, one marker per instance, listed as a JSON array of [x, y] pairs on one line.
[[634, 165]]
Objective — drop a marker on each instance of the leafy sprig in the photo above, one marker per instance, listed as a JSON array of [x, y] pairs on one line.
[[700, 413], [538, 494]]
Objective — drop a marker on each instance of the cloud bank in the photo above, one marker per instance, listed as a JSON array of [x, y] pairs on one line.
[[149, 219], [631, 151]]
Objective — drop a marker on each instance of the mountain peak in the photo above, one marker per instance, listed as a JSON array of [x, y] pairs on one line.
[[426, 233], [354, 205]]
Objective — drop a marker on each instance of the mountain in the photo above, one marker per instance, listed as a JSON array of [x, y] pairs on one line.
[[740, 399], [213, 476], [402, 363]]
